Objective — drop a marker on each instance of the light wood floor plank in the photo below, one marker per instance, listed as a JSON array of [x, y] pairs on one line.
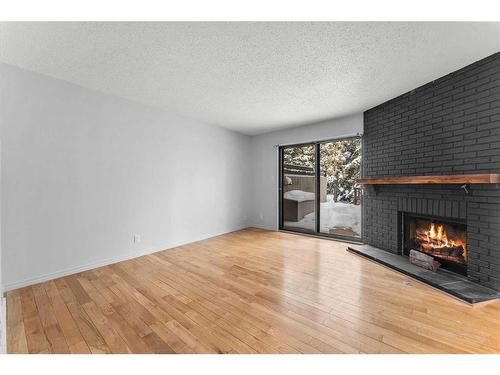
[[16, 340], [91, 335], [250, 291]]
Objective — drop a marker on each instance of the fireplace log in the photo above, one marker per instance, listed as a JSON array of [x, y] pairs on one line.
[[421, 256], [451, 251], [423, 260], [435, 248], [428, 266]]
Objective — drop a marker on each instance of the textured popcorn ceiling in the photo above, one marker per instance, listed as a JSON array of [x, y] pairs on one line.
[[249, 77]]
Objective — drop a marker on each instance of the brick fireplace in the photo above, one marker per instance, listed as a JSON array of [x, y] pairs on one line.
[[450, 126]]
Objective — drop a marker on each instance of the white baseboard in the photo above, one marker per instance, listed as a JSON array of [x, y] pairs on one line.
[[99, 263], [3, 325]]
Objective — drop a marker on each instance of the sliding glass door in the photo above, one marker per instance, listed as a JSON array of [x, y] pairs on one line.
[[319, 193]]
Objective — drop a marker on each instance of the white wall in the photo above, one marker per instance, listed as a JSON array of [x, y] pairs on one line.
[[82, 172], [3, 307], [264, 159]]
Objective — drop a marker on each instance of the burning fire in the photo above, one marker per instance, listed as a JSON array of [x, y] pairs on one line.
[[435, 240]]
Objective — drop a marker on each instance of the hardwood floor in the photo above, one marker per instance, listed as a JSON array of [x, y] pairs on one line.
[[250, 291]]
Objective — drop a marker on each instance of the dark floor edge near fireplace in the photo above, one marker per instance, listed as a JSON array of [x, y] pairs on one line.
[[451, 283]]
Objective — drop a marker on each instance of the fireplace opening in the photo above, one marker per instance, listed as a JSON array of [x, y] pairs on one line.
[[443, 239]]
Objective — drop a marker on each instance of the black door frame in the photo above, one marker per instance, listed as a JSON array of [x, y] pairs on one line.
[[316, 231]]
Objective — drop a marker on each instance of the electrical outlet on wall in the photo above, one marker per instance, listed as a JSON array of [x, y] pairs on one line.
[[137, 238]]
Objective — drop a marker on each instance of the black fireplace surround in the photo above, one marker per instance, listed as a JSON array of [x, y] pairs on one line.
[[446, 127]]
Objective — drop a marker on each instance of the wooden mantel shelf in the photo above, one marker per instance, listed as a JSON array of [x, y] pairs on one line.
[[485, 178]]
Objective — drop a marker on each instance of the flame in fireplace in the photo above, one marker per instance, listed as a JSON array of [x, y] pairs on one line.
[[434, 238]]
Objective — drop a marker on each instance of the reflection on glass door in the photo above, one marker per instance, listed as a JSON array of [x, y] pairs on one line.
[[319, 189], [340, 194], [299, 188]]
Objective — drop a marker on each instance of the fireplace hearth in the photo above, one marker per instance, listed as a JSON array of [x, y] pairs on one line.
[[442, 238]]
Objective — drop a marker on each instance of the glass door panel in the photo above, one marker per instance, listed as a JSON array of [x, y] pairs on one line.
[[340, 194], [298, 188]]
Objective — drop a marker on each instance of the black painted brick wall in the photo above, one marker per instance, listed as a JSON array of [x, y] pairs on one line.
[[449, 126]]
